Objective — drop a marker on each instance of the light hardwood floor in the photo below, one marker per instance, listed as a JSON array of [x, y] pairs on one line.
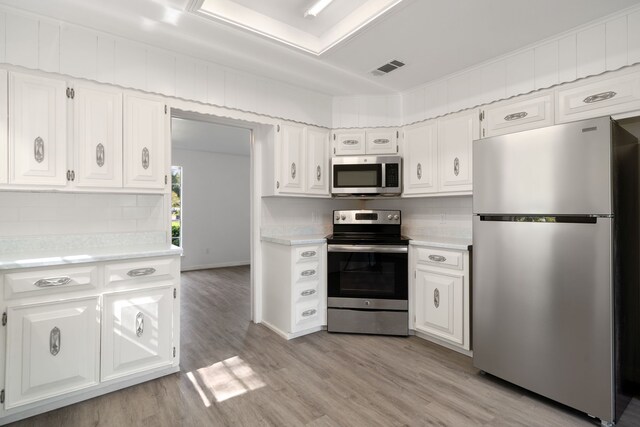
[[235, 373]]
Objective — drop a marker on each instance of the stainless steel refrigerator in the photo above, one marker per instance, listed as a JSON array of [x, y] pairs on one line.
[[555, 262]]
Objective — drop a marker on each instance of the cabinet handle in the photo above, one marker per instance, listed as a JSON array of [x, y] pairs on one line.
[[437, 258], [603, 96], [350, 142], [381, 141], [436, 297], [55, 341], [419, 171], [293, 170], [456, 166], [308, 292], [318, 173], [73, 175], [145, 158], [516, 116], [139, 324], [38, 149], [277, 184], [100, 155], [308, 254], [308, 313], [52, 281], [307, 273], [137, 272]]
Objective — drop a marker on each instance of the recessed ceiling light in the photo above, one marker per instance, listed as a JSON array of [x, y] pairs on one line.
[[317, 7]]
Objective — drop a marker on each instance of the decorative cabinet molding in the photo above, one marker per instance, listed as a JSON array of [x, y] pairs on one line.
[[523, 113], [145, 142], [317, 161], [440, 290], [37, 131], [83, 329], [421, 158], [97, 138], [294, 288]]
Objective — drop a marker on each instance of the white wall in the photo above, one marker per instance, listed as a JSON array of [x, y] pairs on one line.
[[216, 208], [42, 43]]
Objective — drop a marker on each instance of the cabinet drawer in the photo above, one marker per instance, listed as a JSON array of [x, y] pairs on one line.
[[602, 98], [306, 291], [307, 253], [54, 280], [440, 257], [518, 116], [127, 273], [307, 314], [306, 271]]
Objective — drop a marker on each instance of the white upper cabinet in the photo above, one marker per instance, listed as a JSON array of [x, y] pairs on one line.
[[4, 149], [145, 142], [349, 143], [455, 137], [292, 158], [421, 158], [384, 141], [97, 136], [523, 113], [597, 97], [37, 130], [317, 161]]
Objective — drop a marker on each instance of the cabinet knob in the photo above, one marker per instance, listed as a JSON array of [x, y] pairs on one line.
[[277, 184], [308, 292], [293, 170], [52, 281], [145, 158], [318, 173], [308, 313], [307, 273], [419, 171], [456, 166], [436, 297], [308, 254], [437, 258], [38, 149], [139, 324], [137, 272], [350, 142], [100, 155], [381, 141], [55, 341]]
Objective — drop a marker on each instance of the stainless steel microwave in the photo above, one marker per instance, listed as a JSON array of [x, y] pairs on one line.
[[366, 175]]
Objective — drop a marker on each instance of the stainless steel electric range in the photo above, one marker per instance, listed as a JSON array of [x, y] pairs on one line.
[[367, 273]]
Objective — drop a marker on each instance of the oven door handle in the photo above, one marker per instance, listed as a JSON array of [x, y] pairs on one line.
[[385, 249]]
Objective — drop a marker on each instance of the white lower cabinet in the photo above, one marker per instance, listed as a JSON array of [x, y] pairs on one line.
[[52, 349], [440, 294], [295, 288], [74, 332], [136, 331]]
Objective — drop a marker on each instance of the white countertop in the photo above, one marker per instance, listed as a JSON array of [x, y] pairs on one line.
[[76, 256], [459, 243], [308, 239]]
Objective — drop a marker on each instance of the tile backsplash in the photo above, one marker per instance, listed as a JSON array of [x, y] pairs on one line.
[[45, 213]]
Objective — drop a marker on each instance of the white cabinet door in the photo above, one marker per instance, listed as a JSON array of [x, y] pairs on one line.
[[455, 137], [598, 98], [439, 305], [317, 161], [349, 143], [52, 348], [4, 149], [37, 130], [421, 158], [97, 136], [145, 142], [292, 161], [524, 114], [383, 141], [137, 331]]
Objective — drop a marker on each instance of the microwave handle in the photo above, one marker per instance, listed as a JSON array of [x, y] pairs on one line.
[[385, 249], [384, 175]]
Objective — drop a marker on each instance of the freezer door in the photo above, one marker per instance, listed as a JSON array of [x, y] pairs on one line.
[[542, 309], [563, 169]]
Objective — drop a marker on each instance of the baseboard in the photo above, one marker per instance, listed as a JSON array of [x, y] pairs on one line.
[[288, 336], [442, 343], [215, 265]]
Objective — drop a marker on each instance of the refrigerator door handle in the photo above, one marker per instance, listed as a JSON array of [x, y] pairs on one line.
[[562, 219]]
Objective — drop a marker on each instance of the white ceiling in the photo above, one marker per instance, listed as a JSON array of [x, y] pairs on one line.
[[211, 137], [433, 37]]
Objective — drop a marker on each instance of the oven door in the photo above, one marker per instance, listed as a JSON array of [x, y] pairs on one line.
[[368, 276]]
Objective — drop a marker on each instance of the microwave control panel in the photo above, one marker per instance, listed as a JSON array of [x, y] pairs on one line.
[[392, 177]]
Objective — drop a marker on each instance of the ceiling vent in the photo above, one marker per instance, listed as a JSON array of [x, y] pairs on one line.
[[387, 68]]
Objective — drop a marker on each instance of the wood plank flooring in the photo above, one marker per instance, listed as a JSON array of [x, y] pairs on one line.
[[235, 373]]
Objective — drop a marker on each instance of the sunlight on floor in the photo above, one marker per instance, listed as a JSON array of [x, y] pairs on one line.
[[224, 380]]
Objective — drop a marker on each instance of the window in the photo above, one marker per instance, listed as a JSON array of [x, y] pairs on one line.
[[176, 205]]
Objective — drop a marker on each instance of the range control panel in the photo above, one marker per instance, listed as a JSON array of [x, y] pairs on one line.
[[367, 217]]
